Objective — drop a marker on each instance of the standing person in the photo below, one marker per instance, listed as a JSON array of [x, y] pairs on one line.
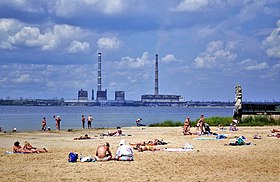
[[124, 152], [187, 126], [201, 124], [103, 152], [89, 120], [44, 124], [83, 121], [57, 122]]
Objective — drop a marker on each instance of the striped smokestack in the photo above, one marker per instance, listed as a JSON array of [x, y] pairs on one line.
[[156, 75], [99, 73]]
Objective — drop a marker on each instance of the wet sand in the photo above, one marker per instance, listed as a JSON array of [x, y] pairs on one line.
[[210, 160]]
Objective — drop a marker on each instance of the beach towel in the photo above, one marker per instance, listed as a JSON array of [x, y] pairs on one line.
[[204, 138], [8, 152], [87, 159], [177, 150]]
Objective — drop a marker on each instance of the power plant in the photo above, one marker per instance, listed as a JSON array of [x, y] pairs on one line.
[[100, 95], [160, 100], [146, 100]]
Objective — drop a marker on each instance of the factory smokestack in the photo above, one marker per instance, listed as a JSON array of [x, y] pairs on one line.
[[156, 75], [99, 73]]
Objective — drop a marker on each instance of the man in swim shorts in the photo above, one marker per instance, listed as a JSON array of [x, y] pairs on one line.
[[103, 152]]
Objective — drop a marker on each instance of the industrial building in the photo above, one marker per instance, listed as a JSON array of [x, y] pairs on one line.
[[82, 95], [146, 100], [160, 100]]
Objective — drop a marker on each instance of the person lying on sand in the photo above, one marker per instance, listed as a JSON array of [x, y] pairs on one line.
[[274, 133], [28, 146], [240, 141], [83, 137], [118, 132], [150, 143], [145, 148], [18, 149], [103, 152]]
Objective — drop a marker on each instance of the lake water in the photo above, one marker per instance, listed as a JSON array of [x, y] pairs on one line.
[[28, 118]]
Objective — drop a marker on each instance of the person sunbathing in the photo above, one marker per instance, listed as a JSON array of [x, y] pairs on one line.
[[82, 137], [275, 131], [240, 141], [118, 132], [150, 143], [28, 146], [145, 148], [18, 149], [103, 152]]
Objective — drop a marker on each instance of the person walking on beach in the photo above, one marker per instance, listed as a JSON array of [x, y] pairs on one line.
[[89, 120], [44, 124], [57, 122], [83, 121]]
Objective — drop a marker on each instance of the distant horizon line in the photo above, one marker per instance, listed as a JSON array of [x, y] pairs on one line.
[[191, 100]]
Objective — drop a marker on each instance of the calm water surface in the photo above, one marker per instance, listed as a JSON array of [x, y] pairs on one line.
[[28, 118]]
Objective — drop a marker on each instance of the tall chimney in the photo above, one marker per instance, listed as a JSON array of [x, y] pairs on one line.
[[156, 75], [99, 73]]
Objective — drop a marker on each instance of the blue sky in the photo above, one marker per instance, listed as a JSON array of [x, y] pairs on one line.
[[48, 49]]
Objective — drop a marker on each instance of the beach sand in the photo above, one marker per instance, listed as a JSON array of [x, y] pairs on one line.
[[210, 160]]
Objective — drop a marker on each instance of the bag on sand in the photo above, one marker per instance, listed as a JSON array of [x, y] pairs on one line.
[[72, 157]]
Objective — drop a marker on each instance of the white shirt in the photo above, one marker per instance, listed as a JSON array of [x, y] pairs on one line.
[[124, 150]]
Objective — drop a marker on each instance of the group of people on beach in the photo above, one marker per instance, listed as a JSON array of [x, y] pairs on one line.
[[27, 148], [201, 126], [58, 121], [123, 153], [89, 121]]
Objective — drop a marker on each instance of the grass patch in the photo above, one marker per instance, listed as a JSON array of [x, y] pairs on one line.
[[225, 121], [259, 121], [167, 123]]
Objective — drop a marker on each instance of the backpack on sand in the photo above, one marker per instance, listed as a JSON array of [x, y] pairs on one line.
[[72, 157]]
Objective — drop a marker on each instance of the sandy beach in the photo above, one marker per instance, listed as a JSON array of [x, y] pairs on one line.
[[210, 159]]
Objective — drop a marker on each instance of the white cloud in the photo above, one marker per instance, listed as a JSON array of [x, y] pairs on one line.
[[76, 47], [168, 58], [139, 62], [276, 67], [251, 9], [9, 25], [70, 8], [253, 65], [46, 76], [205, 31], [217, 55], [108, 43], [25, 5], [112, 6], [15, 34], [190, 5], [272, 42]]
